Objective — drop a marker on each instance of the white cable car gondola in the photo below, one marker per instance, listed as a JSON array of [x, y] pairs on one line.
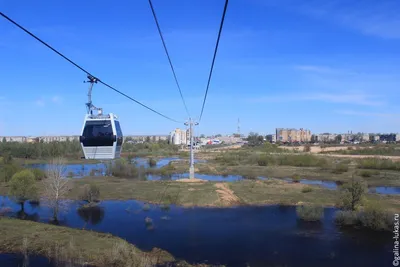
[[101, 135]]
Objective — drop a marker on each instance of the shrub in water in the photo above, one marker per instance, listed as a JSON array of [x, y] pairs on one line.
[[23, 186], [375, 217], [152, 162], [352, 194], [90, 193], [310, 213], [306, 189], [346, 217], [296, 178]]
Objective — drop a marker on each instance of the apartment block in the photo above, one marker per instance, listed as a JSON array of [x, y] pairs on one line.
[[178, 137], [293, 135]]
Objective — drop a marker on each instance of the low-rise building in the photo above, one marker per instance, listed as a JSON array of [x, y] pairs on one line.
[[293, 135], [146, 138], [19, 139]]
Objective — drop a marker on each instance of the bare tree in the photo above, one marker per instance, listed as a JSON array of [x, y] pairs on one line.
[[56, 186]]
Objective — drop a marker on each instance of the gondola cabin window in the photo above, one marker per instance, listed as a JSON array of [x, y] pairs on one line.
[[98, 133]]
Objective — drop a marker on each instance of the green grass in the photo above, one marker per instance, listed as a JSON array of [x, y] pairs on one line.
[[161, 192], [277, 191], [381, 150], [382, 178], [378, 164], [76, 246]]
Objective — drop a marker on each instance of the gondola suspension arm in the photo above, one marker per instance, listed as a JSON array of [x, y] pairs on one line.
[[89, 105]]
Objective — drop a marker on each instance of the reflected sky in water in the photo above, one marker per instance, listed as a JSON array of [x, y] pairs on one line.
[[258, 236]]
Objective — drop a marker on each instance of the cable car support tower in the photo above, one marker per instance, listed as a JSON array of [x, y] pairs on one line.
[[191, 123]]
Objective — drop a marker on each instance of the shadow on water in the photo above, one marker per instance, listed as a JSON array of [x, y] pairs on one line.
[[91, 215], [257, 236]]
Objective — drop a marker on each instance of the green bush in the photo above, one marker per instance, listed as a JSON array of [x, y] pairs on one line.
[[23, 186], [352, 194], [301, 161], [365, 173], [39, 174], [346, 217], [262, 161], [340, 168], [375, 217], [306, 189], [7, 171], [310, 213], [296, 178], [90, 193], [123, 168]]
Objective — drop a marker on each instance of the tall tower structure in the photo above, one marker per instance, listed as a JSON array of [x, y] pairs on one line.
[[238, 127]]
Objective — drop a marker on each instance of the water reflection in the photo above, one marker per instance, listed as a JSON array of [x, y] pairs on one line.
[[258, 236], [22, 215], [91, 214]]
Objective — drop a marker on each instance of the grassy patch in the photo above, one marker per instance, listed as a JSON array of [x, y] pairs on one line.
[[378, 164], [306, 189], [162, 192], [75, 246]]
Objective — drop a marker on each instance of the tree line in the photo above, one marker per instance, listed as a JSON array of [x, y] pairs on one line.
[[72, 149], [41, 149]]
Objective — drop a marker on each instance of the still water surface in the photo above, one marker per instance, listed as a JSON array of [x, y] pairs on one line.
[[258, 236]]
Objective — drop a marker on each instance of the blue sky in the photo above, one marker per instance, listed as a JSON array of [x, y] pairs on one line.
[[330, 66]]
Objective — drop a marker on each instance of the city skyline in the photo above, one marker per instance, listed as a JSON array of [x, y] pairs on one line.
[[314, 65]]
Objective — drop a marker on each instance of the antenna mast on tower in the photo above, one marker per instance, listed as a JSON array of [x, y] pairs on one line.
[[238, 127]]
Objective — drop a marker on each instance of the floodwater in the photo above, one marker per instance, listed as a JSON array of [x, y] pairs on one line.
[[16, 260], [239, 236], [81, 170]]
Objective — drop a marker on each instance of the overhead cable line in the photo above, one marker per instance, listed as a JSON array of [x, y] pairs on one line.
[[215, 54], [169, 58], [82, 69]]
